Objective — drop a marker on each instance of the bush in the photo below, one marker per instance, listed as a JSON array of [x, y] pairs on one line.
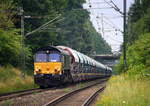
[[138, 57], [11, 80], [9, 46]]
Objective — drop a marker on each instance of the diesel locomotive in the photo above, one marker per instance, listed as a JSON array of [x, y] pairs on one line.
[[54, 65]]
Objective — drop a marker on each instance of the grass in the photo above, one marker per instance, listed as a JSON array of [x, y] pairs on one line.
[[80, 85], [67, 90], [11, 80], [124, 91]]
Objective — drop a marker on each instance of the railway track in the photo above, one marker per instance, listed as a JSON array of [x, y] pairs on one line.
[[21, 96], [93, 96], [21, 93], [80, 97]]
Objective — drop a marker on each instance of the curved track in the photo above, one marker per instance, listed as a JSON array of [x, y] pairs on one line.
[[93, 96], [82, 96]]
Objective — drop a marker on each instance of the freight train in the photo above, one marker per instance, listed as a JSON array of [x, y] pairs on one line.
[[55, 65]]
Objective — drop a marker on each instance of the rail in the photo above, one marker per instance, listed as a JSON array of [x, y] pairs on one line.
[[65, 96], [21, 93], [93, 96]]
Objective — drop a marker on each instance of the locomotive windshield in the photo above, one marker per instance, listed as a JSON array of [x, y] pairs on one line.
[[41, 57], [47, 57], [54, 57]]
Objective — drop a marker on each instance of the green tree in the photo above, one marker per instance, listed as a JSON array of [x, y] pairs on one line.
[[139, 15], [138, 56], [69, 30], [138, 40], [9, 37]]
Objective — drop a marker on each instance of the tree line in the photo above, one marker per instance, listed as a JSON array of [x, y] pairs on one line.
[[138, 40], [72, 28]]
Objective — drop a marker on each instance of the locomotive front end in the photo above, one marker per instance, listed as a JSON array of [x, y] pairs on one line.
[[47, 67]]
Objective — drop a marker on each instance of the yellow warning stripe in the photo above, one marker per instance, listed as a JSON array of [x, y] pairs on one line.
[[85, 74]]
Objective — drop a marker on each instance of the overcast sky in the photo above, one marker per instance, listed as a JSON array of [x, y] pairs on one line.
[[107, 21]]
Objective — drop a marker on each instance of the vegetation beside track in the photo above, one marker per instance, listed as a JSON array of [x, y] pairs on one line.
[[132, 87], [11, 80], [138, 58], [138, 41], [122, 90]]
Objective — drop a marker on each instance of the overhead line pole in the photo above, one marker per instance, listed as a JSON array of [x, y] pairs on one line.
[[102, 26], [125, 33], [23, 35], [22, 42], [124, 26]]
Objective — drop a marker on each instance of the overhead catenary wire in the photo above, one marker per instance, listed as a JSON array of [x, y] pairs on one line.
[[91, 8], [46, 24], [113, 24], [114, 6], [110, 15], [111, 6], [105, 31], [115, 40], [39, 28], [73, 10], [107, 21], [96, 3], [110, 23]]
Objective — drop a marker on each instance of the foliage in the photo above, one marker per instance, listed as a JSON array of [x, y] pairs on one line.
[[138, 9], [98, 44], [10, 45], [138, 56], [138, 49], [73, 28], [123, 90], [47, 10], [5, 15], [11, 80], [143, 26], [81, 35], [69, 30], [138, 19]]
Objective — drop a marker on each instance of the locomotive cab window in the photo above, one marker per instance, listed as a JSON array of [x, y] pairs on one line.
[[54, 57], [51, 56], [40, 57]]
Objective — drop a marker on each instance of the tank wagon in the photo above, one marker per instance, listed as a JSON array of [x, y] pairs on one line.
[[54, 65]]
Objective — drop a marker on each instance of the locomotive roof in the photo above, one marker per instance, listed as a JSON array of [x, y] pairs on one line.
[[47, 48]]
